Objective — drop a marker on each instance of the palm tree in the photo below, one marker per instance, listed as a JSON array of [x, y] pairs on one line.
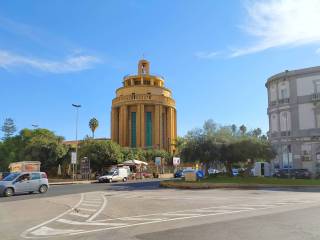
[[93, 124]]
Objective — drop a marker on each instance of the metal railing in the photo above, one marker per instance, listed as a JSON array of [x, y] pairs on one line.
[[316, 97]]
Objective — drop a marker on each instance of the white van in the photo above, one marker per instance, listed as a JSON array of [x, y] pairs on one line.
[[120, 174]]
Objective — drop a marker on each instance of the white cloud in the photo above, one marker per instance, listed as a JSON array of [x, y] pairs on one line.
[[277, 23], [69, 64], [206, 55]]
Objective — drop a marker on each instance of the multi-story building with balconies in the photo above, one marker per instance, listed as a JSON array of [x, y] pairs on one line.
[[294, 118], [143, 112]]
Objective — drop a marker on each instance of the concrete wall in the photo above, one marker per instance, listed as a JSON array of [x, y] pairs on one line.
[[306, 116], [305, 85]]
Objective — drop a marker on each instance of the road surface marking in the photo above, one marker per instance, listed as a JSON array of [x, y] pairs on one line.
[[140, 219], [79, 214], [100, 210], [41, 231], [62, 220], [90, 205], [181, 214], [87, 209], [46, 231]]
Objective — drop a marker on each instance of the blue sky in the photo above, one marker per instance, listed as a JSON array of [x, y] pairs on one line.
[[214, 55]]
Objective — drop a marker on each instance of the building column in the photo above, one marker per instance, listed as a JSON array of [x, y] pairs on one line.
[[125, 126], [138, 125], [120, 140], [123, 122], [115, 125], [157, 126], [160, 126], [142, 126], [169, 129]]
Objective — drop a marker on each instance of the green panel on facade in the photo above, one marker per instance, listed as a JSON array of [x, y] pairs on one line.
[[133, 130], [148, 129]]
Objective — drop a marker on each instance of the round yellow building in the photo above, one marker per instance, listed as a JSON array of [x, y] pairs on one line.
[[143, 113]]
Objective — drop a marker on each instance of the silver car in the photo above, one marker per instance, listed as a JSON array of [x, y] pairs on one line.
[[24, 182]]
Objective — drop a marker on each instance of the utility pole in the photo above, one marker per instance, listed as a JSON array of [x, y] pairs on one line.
[[77, 106]]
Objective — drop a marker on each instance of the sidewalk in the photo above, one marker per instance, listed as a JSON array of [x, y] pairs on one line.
[[53, 182], [68, 181]]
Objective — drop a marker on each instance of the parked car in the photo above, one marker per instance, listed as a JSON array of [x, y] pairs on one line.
[[178, 173], [24, 182], [213, 171], [235, 171], [187, 170], [121, 174], [293, 173], [3, 175]]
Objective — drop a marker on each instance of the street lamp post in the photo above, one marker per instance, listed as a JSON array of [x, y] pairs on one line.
[[77, 106]]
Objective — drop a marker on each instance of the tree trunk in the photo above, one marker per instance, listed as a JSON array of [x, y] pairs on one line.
[[229, 169]]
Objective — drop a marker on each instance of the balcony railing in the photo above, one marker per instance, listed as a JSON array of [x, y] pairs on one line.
[[144, 97], [285, 133], [273, 103], [284, 100], [306, 157], [316, 97]]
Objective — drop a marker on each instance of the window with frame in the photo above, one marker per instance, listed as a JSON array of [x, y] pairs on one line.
[[35, 176]]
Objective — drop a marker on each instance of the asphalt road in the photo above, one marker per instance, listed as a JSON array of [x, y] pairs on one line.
[[58, 190], [144, 211]]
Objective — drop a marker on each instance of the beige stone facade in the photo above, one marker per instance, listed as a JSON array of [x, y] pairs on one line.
[[143, 112]]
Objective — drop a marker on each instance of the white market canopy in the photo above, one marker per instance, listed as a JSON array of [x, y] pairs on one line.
[[134, 162]]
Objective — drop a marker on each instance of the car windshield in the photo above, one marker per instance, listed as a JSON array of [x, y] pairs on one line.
[[11, 177]]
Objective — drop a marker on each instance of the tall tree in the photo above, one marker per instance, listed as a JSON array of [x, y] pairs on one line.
[[243, 129], [257, 132], [234, 129], [8, 128], [93, 124], [101, 153]]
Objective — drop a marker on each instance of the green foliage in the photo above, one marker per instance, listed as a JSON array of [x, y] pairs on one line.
[[100, 153], [8, 128], [33, 145], [214, 144], [93, 124]]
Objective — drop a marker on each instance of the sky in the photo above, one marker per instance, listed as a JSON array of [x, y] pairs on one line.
[[215, 56]]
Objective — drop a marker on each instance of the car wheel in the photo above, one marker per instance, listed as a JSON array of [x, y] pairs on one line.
[[110, 180], [124, 179], [8, 192], [43, 188]]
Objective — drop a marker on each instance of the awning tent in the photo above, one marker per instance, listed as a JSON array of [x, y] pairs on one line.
[[134, 163]]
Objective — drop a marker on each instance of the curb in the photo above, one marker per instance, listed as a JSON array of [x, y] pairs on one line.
[[71, 182], [186, 185]]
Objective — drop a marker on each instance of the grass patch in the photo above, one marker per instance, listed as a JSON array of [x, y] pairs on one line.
[[260, 180], [240, 182]]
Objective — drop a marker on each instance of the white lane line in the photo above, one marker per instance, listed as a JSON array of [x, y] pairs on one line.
[[152, 222], [24, 234], [90, 205], [141, 219], [100, 210], [79, 214], [61, 220], [47, 231], [181, 214], [87, 209], [92, 202]]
